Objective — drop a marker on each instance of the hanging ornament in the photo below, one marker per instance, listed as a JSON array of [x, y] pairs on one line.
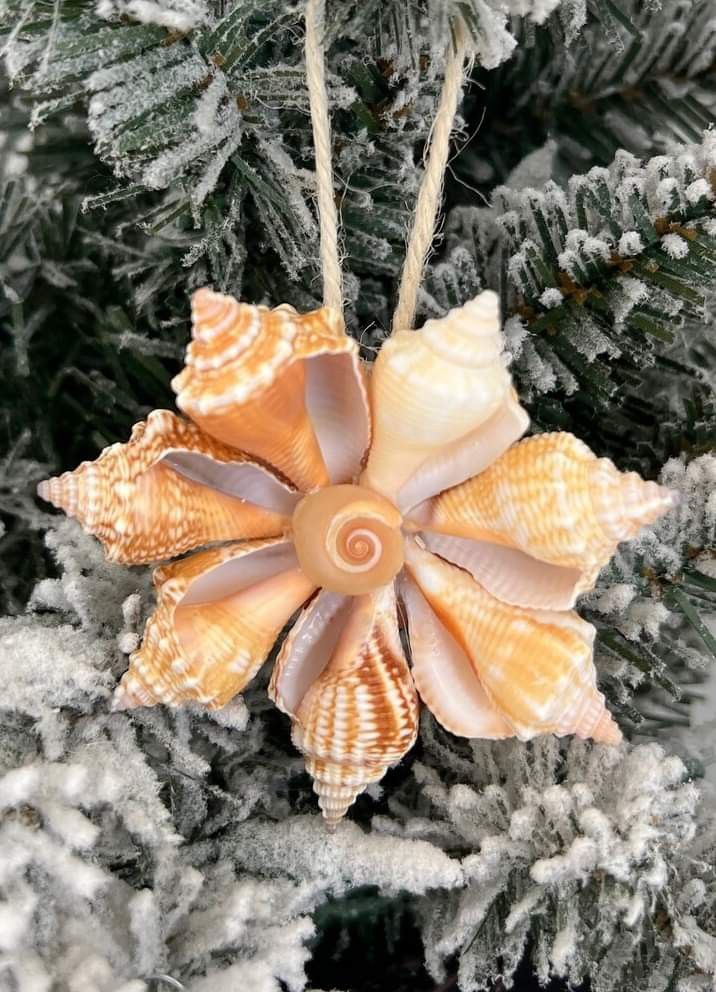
[[340, 495], [332, 496]]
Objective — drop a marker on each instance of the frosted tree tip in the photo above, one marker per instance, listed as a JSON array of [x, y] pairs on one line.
[[607, 730], [671, 497]]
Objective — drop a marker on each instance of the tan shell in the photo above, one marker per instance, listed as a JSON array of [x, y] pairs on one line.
[[431, 388], [535, 666], [342, 677], [348, 539], [548, 497], [218, 615], [138, 499], [287, 388]]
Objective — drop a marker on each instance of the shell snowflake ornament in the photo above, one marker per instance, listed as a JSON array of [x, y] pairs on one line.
[[327, 494]]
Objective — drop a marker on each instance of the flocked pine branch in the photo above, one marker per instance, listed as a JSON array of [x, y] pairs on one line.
[[653, 603], [210, 100], [111, 825], [639, 77], [603, 281], [589, 859]]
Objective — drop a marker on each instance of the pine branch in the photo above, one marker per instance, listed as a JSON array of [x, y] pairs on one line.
[[638, 77], [607, 288], [553, 865]]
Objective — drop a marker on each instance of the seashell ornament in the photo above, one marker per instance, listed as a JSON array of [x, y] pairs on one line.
[[318, 494]]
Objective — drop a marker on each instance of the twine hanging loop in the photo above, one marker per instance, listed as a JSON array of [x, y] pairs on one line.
[[430, 193]]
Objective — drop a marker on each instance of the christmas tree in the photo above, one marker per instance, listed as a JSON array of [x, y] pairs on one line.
[[154, 147]]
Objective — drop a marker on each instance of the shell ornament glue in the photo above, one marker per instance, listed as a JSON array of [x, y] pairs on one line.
[[320, 492]]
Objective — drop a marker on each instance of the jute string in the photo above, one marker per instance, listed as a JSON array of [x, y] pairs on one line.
[[318, 99], [429, 195]]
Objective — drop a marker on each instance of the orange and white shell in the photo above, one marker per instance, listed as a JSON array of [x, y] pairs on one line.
[[277, 385], [348, 539], [169, 489], [548, 514], [524, 672], [343, 679], [218, 615]]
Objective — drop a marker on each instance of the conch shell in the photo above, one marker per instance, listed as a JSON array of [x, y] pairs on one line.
[[534, 666], [343, 679], [550, 497], [168, 491], [433, 388], [282, 386], [218, 615]]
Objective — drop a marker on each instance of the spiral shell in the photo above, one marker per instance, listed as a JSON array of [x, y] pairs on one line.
[[550, 497], [343, 678], [218, 615], [285, 387], [171, 488], [348, 539], [535, 666], [432, 387]]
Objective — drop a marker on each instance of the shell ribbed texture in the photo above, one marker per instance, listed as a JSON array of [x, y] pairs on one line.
[[550, 496], [207, 652], [144, 511], [431, 387], [536, 666], [360, 716], [245, 379]]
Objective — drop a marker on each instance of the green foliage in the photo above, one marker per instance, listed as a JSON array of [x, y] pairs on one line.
[[638, 77]]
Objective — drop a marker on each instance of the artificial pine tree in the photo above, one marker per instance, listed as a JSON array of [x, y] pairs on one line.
[[151, 147]]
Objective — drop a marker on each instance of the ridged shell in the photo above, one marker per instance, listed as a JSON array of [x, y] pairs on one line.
[[139, 501], [342, 676], [535, 666], [444, 675], [218, 615], [552, 498], [432, 387], [283, 386]]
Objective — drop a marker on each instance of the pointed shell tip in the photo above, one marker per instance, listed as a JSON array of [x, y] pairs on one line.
[[607, 730], [121, 700], [487, 303]]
